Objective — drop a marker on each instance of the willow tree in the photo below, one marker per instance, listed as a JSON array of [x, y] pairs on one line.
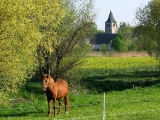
[[72, 35], [20, 36], [149, 27]]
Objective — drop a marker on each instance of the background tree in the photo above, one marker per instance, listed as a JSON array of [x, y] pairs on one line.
[[136, 38], [133, 47], [104, 48], [149, 27], [20, 35], [127, 31], [100, 31], [119, 44], [72, 36]]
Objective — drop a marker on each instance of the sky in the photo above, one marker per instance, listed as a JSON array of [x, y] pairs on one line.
[[123, 11]]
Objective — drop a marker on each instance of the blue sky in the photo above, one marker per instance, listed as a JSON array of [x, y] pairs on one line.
[[123, 11]]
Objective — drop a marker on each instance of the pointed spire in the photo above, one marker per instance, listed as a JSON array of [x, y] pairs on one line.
[[110, 17]]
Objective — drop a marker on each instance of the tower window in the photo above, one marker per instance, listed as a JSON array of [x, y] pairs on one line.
[[107, 25]]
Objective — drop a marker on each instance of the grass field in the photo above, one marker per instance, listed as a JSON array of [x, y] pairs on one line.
[[131, 85]]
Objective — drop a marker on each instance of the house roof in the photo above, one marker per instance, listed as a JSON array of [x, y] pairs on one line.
[[110, 17], [103, 38]]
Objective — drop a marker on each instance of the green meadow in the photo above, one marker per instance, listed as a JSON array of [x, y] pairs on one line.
[[131, 87]]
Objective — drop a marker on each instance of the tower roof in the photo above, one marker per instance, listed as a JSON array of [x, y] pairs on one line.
[[110, 17]]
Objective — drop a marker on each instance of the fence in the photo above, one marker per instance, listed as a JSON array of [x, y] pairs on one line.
[[100, 111]]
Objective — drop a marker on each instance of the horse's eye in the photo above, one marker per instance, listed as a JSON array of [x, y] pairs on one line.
[[44, 81]]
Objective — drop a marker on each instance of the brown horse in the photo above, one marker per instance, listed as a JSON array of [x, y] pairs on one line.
[[55, 91]]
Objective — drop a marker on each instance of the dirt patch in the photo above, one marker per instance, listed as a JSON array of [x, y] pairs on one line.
[[18, 100], [130, 54], [123, 54]]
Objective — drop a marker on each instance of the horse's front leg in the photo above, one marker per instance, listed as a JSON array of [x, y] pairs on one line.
[[60, 106], [54, 106], [49, 107]]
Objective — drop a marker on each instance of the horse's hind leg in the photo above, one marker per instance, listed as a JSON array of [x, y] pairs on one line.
[[66, 103], [60, 106]]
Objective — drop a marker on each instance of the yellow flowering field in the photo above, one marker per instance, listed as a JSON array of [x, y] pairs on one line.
[[100, 66], [118, 63]]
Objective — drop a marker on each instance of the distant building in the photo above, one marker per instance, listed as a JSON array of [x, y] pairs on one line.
[[111, 25], [111, 30]]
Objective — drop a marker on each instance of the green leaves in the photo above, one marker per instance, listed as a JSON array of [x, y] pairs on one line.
[[148, 20], [41, 33], [104, 48], [20, 36], [119, 44]]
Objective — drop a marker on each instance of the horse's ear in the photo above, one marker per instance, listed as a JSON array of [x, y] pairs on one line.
[[49, 71]]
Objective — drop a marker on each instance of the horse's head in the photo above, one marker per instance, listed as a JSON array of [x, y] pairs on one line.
[[46, 81]]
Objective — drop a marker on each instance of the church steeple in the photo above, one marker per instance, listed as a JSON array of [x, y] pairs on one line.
[[111, 25], [110, 17]]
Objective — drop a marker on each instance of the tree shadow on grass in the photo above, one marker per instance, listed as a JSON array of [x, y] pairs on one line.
[[119, 82]]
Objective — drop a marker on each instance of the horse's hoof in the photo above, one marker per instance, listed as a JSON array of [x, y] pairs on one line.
[[48, 115], [66, 112]]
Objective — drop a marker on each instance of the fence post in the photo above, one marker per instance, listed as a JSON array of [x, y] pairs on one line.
[[104, 107]]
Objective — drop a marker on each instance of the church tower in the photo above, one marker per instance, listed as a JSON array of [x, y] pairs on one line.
[[111, 25]]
